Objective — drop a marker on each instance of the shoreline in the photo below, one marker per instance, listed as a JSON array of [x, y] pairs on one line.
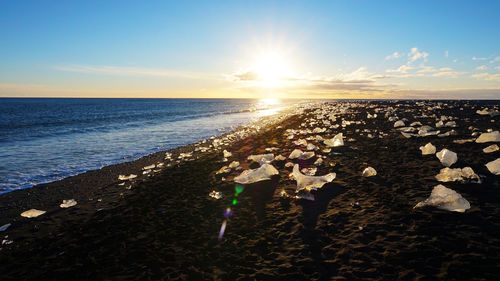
[[166, 226]]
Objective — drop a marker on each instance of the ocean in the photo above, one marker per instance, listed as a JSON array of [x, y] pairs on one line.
[[47, 139]]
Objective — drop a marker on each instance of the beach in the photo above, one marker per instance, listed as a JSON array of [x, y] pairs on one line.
[[164, 225]]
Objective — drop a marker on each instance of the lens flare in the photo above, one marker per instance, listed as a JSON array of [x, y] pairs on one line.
[[222, 229]]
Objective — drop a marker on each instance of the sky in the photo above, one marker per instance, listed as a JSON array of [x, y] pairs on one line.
[[250, 49]]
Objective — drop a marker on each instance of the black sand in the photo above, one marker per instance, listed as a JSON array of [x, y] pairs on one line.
[[166, 226]]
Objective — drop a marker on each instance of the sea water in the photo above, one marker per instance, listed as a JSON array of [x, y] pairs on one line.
[[45, 139]]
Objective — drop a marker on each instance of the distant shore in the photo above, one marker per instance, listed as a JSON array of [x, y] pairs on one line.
[[164, 225]]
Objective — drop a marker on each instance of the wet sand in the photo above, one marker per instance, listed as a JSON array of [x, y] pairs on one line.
[[166, 226]]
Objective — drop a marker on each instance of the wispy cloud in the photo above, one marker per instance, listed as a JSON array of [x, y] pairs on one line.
[[448, 73], [487, 76], [426, 69], [394, 55], [402, 69], [133, 71], [446, 53], [482, 67], [474, 58], [495, 60]]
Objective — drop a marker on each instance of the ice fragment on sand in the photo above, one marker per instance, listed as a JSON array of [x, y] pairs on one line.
[[223, 170], [215, 194], [4, 227], [318, 162], [428, 149], [308, 183], [264, 172], [226, 153], [309, 171], [149, 167], [399, 123], [262, 158], [289, 164], [297, 153], [336, 141], [369, 172], [33, 213], [68, 203], [447, 157], [445, 199], [311, 146], [457, 174], [485, 111], [234, 164], [489, 137], [491, 148], [280, 158], [129, 177], [494, 166]]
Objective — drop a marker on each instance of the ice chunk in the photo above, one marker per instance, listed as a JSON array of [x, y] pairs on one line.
[[68, 203], [149, 167], [318, 162], [399, 123], [129, 177], [494, 166], [336, 141], [428, 149], [215, 194], [233, 165], [489, 137], [264, 172], [33, 213], [289, 164], [223, 170], [445, 199], [308, 183], [309, 171], [300, 142], [226, 153], [447, 157], [298, 154], [280, 158], [457, 174], [4, 227], [311, 146], [491, 148], [319, 130], [463, 141], [485, 111], [369, 172], [262, 158]]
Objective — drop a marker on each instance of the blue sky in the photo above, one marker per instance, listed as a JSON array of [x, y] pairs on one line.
[[330, 49]]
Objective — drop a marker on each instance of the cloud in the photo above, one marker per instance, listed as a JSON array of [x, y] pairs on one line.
[[402, 69], [415, 54], [447, 73], [487, 76], [425, 69], [482, 67], [243, 76], [495, 60], [474, 58], [497, 68], [394, 55], [446, 54], [133, 71]]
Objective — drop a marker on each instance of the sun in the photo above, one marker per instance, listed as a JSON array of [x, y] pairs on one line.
[[271, 69]]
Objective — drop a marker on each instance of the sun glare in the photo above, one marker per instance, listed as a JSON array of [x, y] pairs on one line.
[[271, 69]]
